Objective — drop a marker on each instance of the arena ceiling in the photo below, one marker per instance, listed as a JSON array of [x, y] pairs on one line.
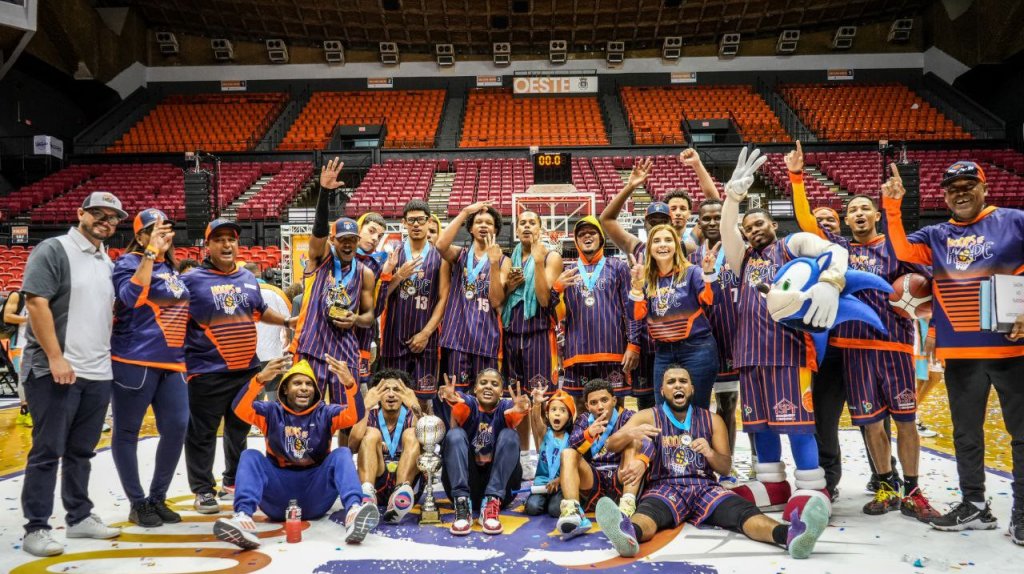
[[473, 25]]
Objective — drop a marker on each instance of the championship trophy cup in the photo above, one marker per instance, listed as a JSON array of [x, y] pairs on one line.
[[429, 431], [339, 301]]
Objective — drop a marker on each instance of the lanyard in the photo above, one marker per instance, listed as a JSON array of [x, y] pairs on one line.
[[407, 249], [392, 442], [552, 451], [590, 278], [683, 426], [338, 279], [473, 273], [595, 449]]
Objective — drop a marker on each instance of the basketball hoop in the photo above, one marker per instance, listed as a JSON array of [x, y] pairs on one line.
[[555, 237]]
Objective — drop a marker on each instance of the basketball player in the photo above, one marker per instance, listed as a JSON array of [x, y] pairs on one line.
[[683, 446], [588, 467], [878, 368], [978, 242], [386, 442], [368, 252], [601, 337], [776, 361], [471, 337], [338, 295], [413, 304]]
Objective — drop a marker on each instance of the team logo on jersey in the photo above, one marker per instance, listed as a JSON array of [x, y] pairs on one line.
[[227, 298], [616, 379], [906, 400], [785, 411], [961, 252], [760, 271], [679, 461], [539, 381], [427, 383], [484, 437], [173, 283], [866, 263], [297, 440], [867, 406]]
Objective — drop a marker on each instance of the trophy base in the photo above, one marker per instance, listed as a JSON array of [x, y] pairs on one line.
[[430, 517], [338, 314]]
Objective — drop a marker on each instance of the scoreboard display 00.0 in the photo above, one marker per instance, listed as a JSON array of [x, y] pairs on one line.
[[550, 168]]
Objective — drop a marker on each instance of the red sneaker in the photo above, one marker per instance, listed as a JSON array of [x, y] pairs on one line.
[[490, 519], [463, 522], [915, 505]]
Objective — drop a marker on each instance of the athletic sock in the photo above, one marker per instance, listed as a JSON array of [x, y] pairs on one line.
[[979, 505], [780, 533], [639, 532], [24, 410], [909, 483], [888, 478]]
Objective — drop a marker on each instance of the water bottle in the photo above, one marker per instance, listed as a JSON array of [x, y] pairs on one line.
[[293, 522]]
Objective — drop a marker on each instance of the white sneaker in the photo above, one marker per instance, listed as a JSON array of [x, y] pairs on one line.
[[239, 530], [529, 464], [925, 432], [360, 520], [399, 504], [92, 527], [41, 543]]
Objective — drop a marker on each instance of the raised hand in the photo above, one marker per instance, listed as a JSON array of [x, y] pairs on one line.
[[539, 393], [636, 277], [408, 268], [447, 392], [493, 250], [162, 237], [641, 170], [476, 207], [743, 176], [690, 158], [597, 427], [371, 398], [329, 174], [537, 249], [795, 159], [390, 263], [569, 277], [409, 399], [520, 400], [340, 370], [893, 188], [274, 368], [710, 258]]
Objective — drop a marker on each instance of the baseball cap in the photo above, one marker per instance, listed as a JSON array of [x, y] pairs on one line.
[[148, 217], [591, 221], [104, 199], [221, 223], [345, 227], [657, 207], [962, 170]]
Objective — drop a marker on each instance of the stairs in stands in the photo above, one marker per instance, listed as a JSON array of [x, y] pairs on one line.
[[812, 172], [450, 129], [440, 193], [641, 198], [231, 211], [615, 119]]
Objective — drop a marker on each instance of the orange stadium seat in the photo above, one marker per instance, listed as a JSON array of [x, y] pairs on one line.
[[494, 118], [869, 113], [412, 117], [213, 122], [654, 112]]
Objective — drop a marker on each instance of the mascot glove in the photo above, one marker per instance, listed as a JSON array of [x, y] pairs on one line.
[[824, 305], [743, 176]]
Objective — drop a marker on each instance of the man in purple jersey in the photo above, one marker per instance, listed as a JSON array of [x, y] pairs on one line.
[[338, 295], [601, 337], [471, 337], [776, 361], [682, 447], [368, 252], [413, 304]]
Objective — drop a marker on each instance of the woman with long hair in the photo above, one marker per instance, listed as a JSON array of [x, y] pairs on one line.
[[671, 293], [148, 353]]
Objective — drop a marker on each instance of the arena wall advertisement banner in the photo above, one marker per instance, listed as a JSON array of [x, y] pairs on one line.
[[380, 83], [48, 145], [559, 85], [683, 77], [300, 253], [839, 74], [233, 86], [488, 81]]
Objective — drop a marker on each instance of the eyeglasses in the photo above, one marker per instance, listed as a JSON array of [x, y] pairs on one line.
[[417, 220], [100, 217]]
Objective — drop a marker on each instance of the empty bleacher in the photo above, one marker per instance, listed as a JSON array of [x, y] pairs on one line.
[[411, 116], [12, 266], [51, 186], [494, 118], [288, 180], [655, 112], [388, 186], [212, 122], [869, 113]]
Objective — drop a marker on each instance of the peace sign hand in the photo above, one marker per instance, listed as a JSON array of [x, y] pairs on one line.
[[329, 174], [597, 427], [710, 258], [893, 188], [539, 393], [519, 399], [569, 277], [743, 176], [341, 370], [447, 392], [494, 253], [408, 268]]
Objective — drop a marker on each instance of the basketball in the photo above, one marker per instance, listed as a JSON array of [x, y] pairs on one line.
[[911, 296]]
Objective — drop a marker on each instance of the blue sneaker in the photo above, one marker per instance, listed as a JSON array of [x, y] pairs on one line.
[[617, 527], [806, 527], [572, 522]]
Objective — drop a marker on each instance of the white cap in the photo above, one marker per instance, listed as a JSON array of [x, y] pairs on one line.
[[104, 199]]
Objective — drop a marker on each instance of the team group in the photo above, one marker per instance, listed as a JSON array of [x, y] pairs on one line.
[[468, 334]]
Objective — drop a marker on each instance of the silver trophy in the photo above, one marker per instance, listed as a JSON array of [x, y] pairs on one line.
[[429, 431]]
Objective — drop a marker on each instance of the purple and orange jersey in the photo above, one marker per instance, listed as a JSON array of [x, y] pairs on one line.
[[581, 440], [364, 335], [149, 322], [723, 315], [962, 255], [602, 331], [223, 310], [482, 427], [646, 342], [373, 422], [316, 335], [409, 307], [760, 340], [675, 311], [470, 324]]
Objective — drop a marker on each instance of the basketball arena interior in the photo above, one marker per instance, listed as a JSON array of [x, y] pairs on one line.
[[231, 109]]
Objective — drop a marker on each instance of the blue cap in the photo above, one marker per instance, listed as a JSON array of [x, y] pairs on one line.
[[346, 227], [657, 207], [219, 224], [148, 217], [962, 170]]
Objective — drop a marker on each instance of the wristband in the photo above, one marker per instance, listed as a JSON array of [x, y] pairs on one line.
[[636, 295], [150, 253], [708, 278]]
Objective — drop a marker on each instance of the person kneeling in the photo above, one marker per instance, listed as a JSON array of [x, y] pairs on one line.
[[299, 463], [386, 442], [682, 447], [484, 426]]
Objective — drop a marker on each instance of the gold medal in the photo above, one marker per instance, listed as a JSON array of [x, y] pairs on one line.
[[470, 291], [392, 466]]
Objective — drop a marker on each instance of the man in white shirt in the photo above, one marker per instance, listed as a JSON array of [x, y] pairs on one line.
[[271, 340]]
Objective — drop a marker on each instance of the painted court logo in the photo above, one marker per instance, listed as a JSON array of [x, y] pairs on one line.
[[961, 252]]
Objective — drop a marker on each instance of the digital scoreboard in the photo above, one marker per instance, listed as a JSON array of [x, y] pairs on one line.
[[551, 168]]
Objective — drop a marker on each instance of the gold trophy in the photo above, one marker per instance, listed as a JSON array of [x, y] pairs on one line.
[[338, 303], [429, 432]]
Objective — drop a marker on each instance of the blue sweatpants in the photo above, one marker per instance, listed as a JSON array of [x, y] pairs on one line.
[[464, 477], [260, 482], [135, 388]]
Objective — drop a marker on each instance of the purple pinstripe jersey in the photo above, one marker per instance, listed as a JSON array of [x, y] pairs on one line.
[[471, 325], [674, 463], [760, 340], [373, 422], [599, 333], [408, 308], [375, 262], [724, 314], [541, 321], [579, 440], [318, 336], [646, 342]]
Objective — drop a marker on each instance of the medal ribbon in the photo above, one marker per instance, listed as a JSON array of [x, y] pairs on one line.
[[683, 426], [597, 446], [552, 452], [339, 280], [407, 249], [392, 442], [590, 278], [472, 274]]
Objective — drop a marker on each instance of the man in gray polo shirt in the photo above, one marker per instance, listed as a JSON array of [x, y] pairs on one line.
[[67, 372]]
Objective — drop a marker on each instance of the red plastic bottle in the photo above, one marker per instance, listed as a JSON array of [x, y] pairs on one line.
[[293, 522]]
